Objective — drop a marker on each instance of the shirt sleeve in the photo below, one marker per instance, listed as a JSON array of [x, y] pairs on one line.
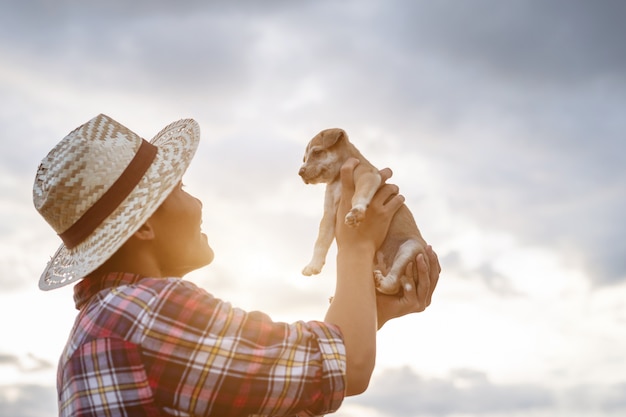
[[205, 357]]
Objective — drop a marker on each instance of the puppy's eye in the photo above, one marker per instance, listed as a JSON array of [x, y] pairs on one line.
[[316, 152]]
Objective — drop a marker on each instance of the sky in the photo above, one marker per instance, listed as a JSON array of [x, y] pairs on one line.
[[502, 122]]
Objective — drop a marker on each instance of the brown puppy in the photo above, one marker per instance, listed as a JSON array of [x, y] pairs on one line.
[[323, 158]]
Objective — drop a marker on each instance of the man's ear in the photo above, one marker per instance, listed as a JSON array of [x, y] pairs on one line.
[[145, 232]]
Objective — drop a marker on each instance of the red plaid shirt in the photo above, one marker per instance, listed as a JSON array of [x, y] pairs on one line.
[[162, 346]]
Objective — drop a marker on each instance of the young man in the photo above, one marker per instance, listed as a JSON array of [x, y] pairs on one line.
[[148, 343]]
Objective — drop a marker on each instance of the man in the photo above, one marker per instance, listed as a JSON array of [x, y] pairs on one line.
[[148, 343]]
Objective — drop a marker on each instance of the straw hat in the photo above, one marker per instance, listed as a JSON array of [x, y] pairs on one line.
[[100, 184]]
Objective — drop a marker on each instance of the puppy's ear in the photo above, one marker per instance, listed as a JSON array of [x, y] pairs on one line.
[[330, 137]]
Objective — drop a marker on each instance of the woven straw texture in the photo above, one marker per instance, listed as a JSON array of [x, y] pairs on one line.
[[79, 170]]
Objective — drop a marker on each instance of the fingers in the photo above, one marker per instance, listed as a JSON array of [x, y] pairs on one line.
[[435, 270], [394, 202], [388, 191], [389, 197], [385, 174], [423, 283], [385, 191], [426, 276], [423, 276]]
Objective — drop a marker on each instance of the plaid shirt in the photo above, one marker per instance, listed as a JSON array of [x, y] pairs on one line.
[[162, 346]]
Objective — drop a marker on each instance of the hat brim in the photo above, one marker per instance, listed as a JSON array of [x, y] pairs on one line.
[[177, 144]]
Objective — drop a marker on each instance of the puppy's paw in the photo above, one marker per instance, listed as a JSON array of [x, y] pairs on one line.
[[355, 216], [386, 284], [312, 269]]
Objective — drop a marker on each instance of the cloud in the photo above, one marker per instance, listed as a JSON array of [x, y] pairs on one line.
[[503, 123], [119, 50], [30, 363], [560, 42], [28, 400], [36, 364], [8, 359], [401, 392], [493, 280]]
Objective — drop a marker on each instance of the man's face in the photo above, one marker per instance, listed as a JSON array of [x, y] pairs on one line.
[[180, 244]]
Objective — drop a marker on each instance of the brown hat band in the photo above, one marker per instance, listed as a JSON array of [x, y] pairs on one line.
[[112, 198]]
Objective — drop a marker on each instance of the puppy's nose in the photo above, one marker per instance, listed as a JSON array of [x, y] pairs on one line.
[[301, 172]]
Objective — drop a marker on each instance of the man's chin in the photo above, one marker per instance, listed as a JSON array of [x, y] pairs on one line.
[[210, 257], [202, 261]]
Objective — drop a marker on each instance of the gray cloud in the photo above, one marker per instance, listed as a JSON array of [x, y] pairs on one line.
[[28, 401], [518, 107], [403, 393], [523, 99], [29, 364], [119, 50], [485, 273], [8, 359], [558, 41], [38, 364]]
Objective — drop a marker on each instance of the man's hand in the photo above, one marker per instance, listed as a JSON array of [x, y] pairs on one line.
[[424, 276], [372, 230]]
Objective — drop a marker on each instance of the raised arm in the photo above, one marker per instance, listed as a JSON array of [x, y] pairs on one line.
[[353, 307]]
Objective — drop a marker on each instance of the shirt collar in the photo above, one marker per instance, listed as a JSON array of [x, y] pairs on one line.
[[92, 284]]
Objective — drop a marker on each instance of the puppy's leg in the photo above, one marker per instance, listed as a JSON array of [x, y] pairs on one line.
[[326, 232], [390, 283], [365, 186]]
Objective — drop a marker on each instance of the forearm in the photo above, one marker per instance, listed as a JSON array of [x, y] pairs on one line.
[[354, 310]]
